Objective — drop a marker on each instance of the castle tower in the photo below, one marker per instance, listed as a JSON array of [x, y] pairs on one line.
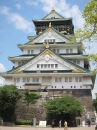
[[52, 63]]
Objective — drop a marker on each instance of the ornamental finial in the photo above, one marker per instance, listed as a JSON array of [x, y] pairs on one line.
[[50, 25], [53, 8], [47, 45]]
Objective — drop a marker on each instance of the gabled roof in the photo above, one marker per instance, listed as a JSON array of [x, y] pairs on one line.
[[53, 29], [78, 68], [52, 16]]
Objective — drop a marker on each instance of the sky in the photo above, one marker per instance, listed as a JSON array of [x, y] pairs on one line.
[[16, 24]]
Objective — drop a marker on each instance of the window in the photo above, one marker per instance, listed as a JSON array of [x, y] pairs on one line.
[[56, 65], [52, 65], [37, 65], [32, 51], [54, 50], [28, 52], [35, 79], [18, 79], [67, 50], [56, 79], [14, 79], [28, 79], [78, 61], [48, 65], [70, 79], [45, 65], [66, 79], [80, 79], [41, 65], [57, 50], [19, 63], [49, 40], [76, 79], [71, 51], [60, 79], [24, 79]]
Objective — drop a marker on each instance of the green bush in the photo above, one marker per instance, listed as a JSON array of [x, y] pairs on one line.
[[23, 122]]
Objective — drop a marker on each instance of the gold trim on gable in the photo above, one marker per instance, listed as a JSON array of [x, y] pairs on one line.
[[47, 52], [49, 30], [77, 70], [67, 41], [17, 71], [31, 42]]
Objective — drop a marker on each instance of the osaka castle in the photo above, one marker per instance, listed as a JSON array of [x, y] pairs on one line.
[[50, 62]]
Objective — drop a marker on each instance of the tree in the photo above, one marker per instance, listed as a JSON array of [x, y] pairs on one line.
[[95, 103], [89, 32], [31, 98], [65, 108], [9, 95]]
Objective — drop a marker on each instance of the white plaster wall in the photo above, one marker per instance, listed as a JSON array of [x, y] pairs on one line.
[[66, 85], [87, 80], [63, 49], [8, 81]]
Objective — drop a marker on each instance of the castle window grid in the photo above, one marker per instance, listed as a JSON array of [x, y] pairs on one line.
[[58, 79], [30, 52], [49, 40], [47, 66]]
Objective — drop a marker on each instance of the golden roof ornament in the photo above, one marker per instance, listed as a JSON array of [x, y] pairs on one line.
[[53, 8], [50, 25], [47, 45]]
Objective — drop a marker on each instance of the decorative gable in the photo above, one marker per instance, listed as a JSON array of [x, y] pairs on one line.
[[48, 60], [49, 36]]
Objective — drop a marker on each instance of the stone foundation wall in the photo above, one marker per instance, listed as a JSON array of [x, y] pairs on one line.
[[25, 112]]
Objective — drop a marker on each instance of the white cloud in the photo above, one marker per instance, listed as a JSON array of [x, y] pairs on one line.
[[20, 22], [30, 2], [62, 7], [4, 10], [18, 6], [2, 68], [1, 81], [15, 18]]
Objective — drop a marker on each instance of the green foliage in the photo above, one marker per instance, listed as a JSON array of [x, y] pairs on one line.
[[31, 98], [23, 122], [95, 103], [93, 59], [62, 106], [90, 27], [65, 108], [9, 95]]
